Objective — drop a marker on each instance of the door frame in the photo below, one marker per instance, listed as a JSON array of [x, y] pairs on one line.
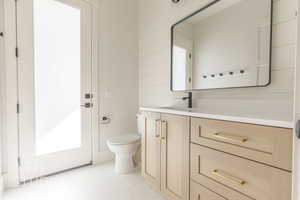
[[11, 166], [296, 141], [2, 90]]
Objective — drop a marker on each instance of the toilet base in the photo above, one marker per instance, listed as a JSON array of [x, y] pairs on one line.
[[124, 153], [124, 164]]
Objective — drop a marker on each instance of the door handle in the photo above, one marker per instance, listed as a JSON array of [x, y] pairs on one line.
[[164, 129], [87, 105], [158, 128]]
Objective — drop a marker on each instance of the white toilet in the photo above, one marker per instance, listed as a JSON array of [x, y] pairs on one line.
[[125, 147]]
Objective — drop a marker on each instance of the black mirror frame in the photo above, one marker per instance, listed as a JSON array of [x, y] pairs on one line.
[[196, 12]]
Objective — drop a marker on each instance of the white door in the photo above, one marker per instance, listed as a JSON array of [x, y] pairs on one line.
[[54, 80]]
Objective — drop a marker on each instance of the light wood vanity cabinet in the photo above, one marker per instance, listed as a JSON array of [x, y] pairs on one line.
[[265, 144], [199, 192], [175, 156], [202, 192], [166, 154], [205, 159], [259, 181], [151, 149]]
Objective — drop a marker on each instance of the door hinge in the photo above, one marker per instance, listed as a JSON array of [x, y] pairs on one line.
[[17, 52], [19, 161], [18, 108], [190, 56]]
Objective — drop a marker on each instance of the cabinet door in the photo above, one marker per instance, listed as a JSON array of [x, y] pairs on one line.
[[175, 156], [151, 149]]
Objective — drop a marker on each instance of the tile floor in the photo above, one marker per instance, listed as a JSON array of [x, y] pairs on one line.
[[88, 183]]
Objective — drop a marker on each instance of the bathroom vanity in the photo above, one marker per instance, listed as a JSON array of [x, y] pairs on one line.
[[187, 154], [191, 155]]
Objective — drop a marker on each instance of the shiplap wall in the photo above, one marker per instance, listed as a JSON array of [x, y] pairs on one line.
[[118, 69], [274, 101]]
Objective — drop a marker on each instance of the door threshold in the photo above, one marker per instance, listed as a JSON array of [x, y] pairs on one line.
[[53, 174]]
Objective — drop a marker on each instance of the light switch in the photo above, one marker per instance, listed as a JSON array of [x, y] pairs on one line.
[[107, 93]]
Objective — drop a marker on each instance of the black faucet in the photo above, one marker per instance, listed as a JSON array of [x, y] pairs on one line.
[[190, 98]]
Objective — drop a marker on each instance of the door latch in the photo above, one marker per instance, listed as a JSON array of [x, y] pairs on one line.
[[88, 96]]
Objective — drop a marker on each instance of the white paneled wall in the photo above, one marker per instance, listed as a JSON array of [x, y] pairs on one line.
[[118, 69], [274, 101]]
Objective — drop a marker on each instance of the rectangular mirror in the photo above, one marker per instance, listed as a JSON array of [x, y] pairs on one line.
[[226, 44]]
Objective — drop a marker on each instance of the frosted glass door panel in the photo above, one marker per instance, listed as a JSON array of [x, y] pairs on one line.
[[57, 76]]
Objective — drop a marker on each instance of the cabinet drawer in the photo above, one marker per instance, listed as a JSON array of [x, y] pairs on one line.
[[199, 192], [264, 144], [253, 179]]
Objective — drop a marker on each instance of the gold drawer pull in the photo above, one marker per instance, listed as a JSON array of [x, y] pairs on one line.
[[230, 137], [228, 177]]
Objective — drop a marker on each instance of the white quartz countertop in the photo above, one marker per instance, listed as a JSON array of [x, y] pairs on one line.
[[221, 116]]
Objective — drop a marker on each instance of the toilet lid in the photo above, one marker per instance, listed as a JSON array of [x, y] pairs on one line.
[[124, 139]]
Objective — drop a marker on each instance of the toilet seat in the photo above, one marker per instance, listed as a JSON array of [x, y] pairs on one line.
[[124, 139]]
